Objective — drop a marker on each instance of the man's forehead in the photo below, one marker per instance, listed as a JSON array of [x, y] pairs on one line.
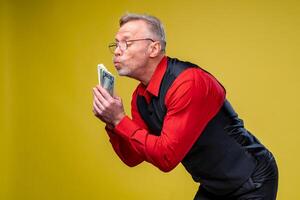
[[124, 34], [131, 29]]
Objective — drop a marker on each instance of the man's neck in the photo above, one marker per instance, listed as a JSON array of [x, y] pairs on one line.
[[150, 69]]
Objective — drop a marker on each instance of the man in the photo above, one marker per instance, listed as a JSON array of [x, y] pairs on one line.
[[180, 114]]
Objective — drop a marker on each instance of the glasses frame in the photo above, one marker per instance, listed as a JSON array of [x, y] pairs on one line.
[[124, 44]]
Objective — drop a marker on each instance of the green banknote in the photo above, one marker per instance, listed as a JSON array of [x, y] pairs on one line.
[[106, 79]]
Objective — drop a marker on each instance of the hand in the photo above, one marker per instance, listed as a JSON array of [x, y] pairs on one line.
[[107, 108]]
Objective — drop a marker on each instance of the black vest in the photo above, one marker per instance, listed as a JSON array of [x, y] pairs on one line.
[[223, 157]]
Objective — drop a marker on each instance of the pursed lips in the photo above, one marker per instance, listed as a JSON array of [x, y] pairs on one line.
[[116, 64]]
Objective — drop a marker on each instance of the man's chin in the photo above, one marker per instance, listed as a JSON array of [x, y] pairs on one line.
[[122, 72]]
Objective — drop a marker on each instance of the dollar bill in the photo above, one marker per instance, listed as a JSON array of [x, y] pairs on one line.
[[106, 79]]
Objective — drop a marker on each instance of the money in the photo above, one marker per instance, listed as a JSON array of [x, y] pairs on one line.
[[106, 79]]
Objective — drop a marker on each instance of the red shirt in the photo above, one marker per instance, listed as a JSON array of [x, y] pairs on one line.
[[191, 101]]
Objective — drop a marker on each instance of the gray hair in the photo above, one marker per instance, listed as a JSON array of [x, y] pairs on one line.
[[154, 23]]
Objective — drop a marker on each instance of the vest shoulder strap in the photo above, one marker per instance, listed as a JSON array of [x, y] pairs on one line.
[[153, 114]]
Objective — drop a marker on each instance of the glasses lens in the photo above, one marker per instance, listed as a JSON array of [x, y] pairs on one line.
[[112, 47]]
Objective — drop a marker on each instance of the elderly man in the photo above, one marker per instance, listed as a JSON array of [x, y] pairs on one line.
[[180, 114]]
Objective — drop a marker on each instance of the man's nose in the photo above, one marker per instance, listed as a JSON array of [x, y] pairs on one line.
[[117, 51]]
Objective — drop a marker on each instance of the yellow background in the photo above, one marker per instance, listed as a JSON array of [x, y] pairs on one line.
[[52, 147]]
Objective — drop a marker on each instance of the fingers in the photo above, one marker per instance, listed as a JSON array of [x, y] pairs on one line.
[[96, 110], [98, 113], [104, 97], [108, 109], [104, 93], [98, 105], [100, 100]]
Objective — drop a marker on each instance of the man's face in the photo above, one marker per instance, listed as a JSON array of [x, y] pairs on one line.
[[132, 61]]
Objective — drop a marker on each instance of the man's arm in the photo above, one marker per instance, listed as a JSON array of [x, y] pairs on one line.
[[122, 148], [191, 102]]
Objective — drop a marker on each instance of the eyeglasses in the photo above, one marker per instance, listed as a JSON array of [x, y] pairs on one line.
[[123, 45]]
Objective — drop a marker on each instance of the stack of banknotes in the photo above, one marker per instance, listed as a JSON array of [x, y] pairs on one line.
[[106, 79]]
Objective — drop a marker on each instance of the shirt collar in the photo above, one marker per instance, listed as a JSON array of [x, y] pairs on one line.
[[155, 81]]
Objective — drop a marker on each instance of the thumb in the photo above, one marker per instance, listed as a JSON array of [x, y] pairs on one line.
[[118, 98]]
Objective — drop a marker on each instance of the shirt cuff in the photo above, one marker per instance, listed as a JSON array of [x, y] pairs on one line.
[[126, 128]]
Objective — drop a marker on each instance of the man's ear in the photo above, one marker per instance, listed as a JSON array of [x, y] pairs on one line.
[[155, 49]]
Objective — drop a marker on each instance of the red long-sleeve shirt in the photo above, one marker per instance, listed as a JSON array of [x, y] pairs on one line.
[[191, 101]]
